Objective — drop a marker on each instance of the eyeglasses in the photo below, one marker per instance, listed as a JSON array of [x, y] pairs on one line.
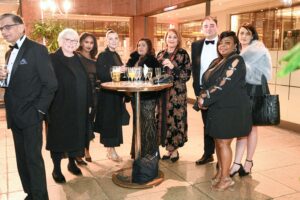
[[7, 27], [71, 41]]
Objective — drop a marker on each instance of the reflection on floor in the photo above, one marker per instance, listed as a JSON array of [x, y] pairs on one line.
[[276, 171]]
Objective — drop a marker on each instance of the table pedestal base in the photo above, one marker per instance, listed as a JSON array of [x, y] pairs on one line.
[[123, 178]]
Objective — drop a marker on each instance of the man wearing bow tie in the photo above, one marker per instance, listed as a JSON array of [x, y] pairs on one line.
[[30, 84], [203, 53]]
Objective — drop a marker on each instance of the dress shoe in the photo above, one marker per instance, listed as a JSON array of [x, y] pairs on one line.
[[58, 177], [205, 159], [88, 159], [174, 159], [114, 156], [247, 173], [223, 184], [241, 170], [74, 169], [166, 157], [79, 161]]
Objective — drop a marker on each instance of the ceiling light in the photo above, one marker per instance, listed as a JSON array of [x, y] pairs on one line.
[[287, 2], [170, 8]]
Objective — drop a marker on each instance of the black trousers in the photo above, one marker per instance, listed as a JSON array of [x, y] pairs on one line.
[[209, 143], [30, 163]]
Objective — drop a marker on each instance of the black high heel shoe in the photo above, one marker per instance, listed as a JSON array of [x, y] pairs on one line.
[[174, 159], [241, 170], [167, 157], [247, 173]]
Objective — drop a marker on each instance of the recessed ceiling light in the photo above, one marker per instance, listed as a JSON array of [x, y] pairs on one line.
[[170, 8]]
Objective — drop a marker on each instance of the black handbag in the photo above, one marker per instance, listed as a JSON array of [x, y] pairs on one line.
[[265, 108], [164, 79], [145, 169]]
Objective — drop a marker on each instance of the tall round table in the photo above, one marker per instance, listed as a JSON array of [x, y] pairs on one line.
[[136, 88]]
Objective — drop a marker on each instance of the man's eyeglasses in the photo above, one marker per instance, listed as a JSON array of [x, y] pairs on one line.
[[7, 27], [71, 41]]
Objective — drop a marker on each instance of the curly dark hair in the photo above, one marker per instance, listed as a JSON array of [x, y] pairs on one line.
[[94, 51], [235, 40]]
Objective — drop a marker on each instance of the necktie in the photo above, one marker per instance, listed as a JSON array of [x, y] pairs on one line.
[[15, 46], [209, 42]]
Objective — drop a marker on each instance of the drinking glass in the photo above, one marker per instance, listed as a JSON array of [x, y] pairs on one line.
[[136, 73], [149, 74], [131, 73], [3, 83], [145, 71], [140, 73], [115, 73], [158, 73]]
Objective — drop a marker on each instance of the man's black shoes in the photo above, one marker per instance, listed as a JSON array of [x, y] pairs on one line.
[[205, 159]]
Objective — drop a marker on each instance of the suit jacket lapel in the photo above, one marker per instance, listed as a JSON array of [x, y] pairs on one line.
[[18, 58]]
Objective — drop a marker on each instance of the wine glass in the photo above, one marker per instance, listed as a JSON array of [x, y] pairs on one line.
[[131, 73], [111, 71], [140, 73], [149, 74], [158, 72], [145, 71]]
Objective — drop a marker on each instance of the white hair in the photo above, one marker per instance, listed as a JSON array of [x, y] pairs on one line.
[[67, 32]]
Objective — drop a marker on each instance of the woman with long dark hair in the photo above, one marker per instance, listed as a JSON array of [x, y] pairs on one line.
[[144, 56], [87, 52]]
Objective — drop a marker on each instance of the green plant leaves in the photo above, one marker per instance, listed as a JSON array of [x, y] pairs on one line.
[[48, 30]]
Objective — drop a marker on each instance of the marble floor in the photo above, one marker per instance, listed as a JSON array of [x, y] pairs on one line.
[[275, 175]]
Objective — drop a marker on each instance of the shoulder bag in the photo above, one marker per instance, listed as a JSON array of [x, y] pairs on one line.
[[265, 108]]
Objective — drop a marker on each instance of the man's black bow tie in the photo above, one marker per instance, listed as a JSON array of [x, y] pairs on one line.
[[15, 46], [209, 42]]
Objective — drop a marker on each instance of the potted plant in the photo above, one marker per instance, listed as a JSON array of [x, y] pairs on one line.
[[47, 31]]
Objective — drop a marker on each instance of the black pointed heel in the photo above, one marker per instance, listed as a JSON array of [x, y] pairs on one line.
[[247, 173], [174, 159], [241, 170]]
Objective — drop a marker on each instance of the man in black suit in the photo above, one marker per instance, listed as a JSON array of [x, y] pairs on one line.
[[203, 52], [30, 84]]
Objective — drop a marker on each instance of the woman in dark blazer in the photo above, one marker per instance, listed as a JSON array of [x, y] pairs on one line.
[[110, 107], [224, 95], [68, 113], [144, 56]]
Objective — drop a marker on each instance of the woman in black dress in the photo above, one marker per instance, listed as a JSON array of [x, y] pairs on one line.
[[110, 107], [68, 113], [144, 57], [87, 52], [224, 95]]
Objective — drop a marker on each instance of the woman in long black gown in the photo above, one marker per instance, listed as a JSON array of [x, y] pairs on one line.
[[110, 107], [144, 56], [87, 52]]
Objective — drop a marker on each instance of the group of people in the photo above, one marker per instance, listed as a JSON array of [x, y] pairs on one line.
[[227, 70], [64, 90]]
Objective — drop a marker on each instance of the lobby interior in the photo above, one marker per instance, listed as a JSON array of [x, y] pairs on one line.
[[275, 174]]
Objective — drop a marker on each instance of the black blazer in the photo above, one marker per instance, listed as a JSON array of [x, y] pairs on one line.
[[31, 87], [196, 61]]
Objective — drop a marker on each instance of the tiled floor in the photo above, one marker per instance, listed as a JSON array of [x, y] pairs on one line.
[[276, 171]]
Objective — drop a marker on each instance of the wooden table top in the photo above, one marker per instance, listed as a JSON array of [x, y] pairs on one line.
[[125, 86]]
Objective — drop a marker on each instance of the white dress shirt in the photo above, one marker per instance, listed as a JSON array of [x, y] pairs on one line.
[[13, 57], [209, 53]]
